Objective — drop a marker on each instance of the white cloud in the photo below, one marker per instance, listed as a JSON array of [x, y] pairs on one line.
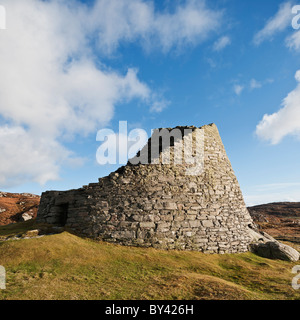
[[293, 41], [275, 192], [264, 198], [238, 89], [254, 84], [286, 121], [277, 23], [25, 156], [221, 43], [211, 62], [159, 106], [281, 21], [52, 86], [137, 20], [276, 186]]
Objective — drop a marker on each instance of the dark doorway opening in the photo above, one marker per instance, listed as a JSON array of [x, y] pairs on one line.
[[63, 214]]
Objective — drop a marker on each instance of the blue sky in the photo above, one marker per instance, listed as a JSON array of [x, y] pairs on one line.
[[70, 68]]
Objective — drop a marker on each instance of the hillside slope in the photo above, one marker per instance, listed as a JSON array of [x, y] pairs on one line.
[[281, 220], [64, 266], [15, 207]]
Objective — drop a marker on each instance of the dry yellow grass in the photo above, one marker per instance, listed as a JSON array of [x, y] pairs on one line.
[[65, 266]]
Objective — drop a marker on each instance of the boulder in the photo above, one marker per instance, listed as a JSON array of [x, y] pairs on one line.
[[275, 250], [265, 246], [26, 216], [32, 233]]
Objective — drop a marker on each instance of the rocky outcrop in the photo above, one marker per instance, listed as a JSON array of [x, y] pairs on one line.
[[265, 246]]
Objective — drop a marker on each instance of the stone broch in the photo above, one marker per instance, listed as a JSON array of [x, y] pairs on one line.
[[159, 205]]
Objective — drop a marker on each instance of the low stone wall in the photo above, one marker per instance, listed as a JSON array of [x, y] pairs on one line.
[[158, 205]]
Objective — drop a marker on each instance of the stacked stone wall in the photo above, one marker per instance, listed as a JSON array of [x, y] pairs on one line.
[[159, 205]]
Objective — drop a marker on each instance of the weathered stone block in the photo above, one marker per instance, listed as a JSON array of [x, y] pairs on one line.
[[147, 225], [170, 205], [207, 223]]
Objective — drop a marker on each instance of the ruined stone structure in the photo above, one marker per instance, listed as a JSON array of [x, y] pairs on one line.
[[161, 205]]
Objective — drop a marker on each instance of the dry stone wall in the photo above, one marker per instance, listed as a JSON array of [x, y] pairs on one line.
[[159, 205]]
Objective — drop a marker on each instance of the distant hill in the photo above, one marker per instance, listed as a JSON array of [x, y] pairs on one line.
[[280, 219], [286, 209], [15, 207]]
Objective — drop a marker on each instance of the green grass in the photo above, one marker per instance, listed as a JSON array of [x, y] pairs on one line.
[[64, 266], [21, 228]]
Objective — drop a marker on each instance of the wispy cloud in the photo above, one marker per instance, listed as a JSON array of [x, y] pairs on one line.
[[254, 84], [159, 106], [293, 41], [275, 192], [276, 186], [251, 85], [221, 43], [137, 21], [280, 21], [237, 88]]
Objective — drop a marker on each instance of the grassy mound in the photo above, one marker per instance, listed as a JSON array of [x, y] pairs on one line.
[[64, 266]]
